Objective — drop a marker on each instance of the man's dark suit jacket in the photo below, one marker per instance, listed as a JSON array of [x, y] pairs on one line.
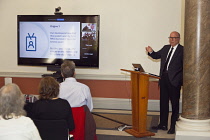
[[175, 68]]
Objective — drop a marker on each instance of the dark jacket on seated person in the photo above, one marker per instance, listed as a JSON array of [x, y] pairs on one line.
[[57, 109]]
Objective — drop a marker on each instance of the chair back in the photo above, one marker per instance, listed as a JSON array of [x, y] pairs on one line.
[[79, 122], [85, 127], [52, 129]]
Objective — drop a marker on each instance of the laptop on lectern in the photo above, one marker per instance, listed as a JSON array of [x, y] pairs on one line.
[[138, 67]]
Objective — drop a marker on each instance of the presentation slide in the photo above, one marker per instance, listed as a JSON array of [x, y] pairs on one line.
[[49, 40]]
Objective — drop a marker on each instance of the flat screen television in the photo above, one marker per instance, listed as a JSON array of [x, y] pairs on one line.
[[48, 40]]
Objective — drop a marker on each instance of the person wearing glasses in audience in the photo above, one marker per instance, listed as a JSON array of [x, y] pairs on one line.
[[171, 80], [14, 125], [49, 106]]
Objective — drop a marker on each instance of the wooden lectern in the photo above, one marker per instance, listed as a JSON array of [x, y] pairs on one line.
[[140, 88]]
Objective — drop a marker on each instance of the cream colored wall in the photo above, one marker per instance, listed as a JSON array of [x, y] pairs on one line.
[[126, 28]]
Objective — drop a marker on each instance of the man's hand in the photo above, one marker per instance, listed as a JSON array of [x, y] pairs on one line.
[[149, 49]]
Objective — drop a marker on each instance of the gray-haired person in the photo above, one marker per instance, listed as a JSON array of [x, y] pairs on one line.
[[13, 123], [76, 93]]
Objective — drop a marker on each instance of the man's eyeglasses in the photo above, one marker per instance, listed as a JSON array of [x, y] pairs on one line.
[[173, 37]]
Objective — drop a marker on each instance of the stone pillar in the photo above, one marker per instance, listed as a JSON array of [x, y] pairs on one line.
[[196, 89], [195, 118]]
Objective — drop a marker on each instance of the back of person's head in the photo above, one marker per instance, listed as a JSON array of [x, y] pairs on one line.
[[11, 102], [48, 88], [68, 69]]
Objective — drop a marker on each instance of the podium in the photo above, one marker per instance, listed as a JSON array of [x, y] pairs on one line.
[[140, 88]]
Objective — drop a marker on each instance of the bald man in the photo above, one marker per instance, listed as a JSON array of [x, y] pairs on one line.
[[171, 74]]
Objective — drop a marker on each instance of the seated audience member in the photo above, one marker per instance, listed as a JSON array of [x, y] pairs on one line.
[[49, 106], [13, 123], [77, 94]]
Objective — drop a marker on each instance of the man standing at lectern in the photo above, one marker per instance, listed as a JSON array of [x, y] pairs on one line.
[[171, 80]]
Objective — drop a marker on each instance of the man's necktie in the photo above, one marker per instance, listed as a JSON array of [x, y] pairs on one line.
[[166, 63]]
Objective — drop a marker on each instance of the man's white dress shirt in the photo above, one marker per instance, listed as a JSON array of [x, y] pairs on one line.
[[77, 94], [171, 54]]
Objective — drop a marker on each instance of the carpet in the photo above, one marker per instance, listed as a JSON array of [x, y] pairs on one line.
[[111, 121]]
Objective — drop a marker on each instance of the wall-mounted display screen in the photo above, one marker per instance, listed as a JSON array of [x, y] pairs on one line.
[[45, 40]]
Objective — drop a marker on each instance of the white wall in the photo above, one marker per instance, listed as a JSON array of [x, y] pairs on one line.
[[126, 28]]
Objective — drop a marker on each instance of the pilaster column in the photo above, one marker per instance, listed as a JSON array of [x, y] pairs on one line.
[[195, 117]]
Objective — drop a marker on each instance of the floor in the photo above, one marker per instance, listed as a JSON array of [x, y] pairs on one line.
[[159, 134]]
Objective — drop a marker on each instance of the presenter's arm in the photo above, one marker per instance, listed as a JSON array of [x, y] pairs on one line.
[[152, 53]]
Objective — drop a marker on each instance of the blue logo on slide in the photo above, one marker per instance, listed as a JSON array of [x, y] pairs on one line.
[[30, 42]]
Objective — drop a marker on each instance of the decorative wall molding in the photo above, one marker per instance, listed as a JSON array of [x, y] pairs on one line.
[[78, 76], [22, 74], [125, 104], [123, 77]]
